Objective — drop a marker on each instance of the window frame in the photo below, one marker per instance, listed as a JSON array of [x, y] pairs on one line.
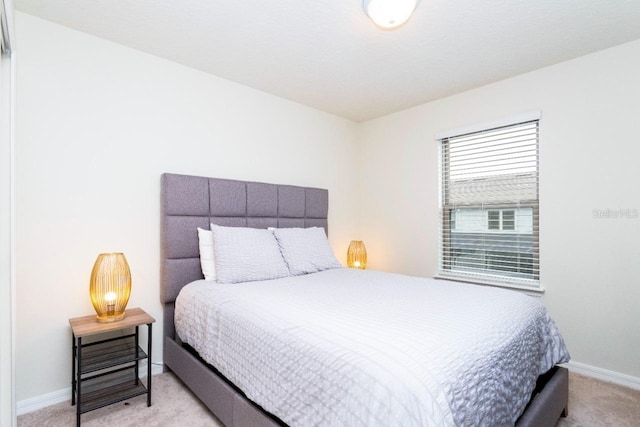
[[525, 263]]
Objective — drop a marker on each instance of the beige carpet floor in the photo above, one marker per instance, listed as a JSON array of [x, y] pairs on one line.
[[592, 403]]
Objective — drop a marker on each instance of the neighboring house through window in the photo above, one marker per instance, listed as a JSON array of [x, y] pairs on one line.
[[489, 204]]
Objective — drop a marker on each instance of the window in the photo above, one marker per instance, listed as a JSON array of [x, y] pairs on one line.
[[489, 205], [501, 220], [494, 220], [508, 220]]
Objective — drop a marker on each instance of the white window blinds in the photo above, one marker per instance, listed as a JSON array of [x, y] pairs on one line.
[[489, 206]]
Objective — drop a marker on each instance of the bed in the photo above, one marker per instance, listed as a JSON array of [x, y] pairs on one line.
[[189, 202]]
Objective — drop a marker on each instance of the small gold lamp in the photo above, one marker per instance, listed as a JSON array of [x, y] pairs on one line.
[[357, 255], [110, 286]]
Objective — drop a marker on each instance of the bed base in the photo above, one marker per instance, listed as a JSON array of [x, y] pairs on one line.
[[233, 409], [225, 401], [549, 400]]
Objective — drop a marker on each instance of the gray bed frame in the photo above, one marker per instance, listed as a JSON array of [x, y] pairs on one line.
[[189, 202]]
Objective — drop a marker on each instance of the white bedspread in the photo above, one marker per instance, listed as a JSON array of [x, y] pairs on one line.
[[363, 348]]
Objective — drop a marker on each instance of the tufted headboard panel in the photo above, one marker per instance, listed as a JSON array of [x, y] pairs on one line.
[[189, 202]]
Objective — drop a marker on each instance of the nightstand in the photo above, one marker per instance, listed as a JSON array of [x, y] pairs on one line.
[[106, 371]]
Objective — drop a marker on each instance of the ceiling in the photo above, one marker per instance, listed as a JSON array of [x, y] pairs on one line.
[[328, 55]]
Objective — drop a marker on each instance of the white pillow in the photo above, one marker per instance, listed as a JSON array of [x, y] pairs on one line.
[[305, 250], [207, 259], [246, 254]]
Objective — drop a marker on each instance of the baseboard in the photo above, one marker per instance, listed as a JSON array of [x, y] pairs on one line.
[[604, 375], [34, 403]]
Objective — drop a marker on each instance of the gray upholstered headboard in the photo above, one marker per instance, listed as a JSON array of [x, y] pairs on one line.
[[189, 202]]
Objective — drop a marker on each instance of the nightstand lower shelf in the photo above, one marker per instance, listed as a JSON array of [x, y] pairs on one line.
[[113, 387]]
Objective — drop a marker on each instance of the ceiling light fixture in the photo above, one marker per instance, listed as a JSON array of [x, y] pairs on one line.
[[389, 14]]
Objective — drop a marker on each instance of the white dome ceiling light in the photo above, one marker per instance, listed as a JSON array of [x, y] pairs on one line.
[[389, 14]]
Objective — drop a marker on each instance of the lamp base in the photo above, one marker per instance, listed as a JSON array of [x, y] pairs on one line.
[[113, 318]]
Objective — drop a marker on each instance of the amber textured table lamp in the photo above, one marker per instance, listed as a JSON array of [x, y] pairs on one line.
[[110, 286], [357, 255]]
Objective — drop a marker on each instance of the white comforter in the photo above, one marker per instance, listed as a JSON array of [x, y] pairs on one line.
[[363, 348]]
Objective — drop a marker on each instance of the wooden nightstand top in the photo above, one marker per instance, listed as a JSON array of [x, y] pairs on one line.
[[89, 325]]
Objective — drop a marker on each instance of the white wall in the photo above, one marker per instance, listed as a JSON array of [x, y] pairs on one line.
[[97, 123], [589, 155]]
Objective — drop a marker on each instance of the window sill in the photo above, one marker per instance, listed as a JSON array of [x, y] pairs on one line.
[[537, 290]]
